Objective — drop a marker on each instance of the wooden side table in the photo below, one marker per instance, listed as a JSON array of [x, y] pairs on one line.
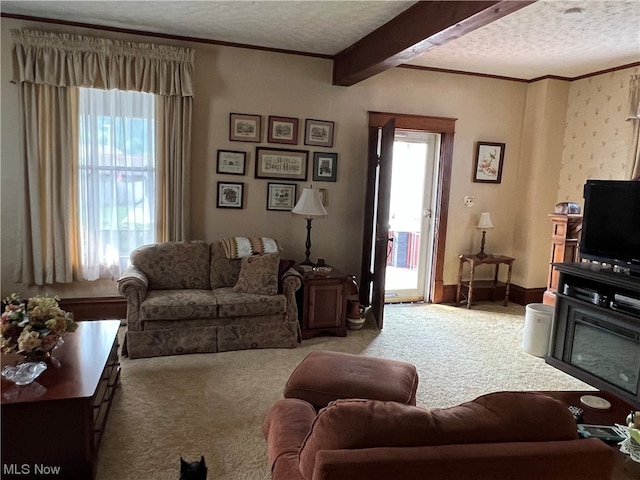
[[322, 302], [473, 284]]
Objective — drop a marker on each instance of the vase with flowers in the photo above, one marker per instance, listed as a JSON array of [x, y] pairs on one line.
[[33, 328]]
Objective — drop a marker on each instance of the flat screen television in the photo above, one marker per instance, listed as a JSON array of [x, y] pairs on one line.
[[611, 223]]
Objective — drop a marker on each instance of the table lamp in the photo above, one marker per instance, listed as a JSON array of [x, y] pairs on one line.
[[309, 206], [484, 224]]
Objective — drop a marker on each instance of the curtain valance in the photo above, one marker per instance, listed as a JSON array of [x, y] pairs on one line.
[[78, 61]]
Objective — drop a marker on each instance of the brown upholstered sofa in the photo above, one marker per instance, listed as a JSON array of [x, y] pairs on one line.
[[499, 436], [190, 297]]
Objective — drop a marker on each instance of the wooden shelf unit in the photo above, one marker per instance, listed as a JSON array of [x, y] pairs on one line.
[[565, 248]]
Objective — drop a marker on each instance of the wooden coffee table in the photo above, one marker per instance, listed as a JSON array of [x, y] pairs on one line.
[[624, 468], [53, 427]]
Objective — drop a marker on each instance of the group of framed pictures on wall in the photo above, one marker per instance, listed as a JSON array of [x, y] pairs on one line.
[[280, 196], [275, 163], [245, 127]]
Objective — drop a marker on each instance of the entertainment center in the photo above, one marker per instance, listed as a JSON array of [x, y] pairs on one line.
[[596, 338], [596, 329]]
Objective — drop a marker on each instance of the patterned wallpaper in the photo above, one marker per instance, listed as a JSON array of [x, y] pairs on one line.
[[597, 141]]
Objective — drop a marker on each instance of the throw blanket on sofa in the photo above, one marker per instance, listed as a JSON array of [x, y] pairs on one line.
[[238, 247]]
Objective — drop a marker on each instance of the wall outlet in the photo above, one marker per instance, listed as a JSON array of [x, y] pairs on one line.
[[468, 200]]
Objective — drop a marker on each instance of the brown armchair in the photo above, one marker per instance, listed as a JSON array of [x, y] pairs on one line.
[[500, 436]]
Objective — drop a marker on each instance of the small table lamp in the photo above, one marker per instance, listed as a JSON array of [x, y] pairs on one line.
[[309, 206], [484, 224]]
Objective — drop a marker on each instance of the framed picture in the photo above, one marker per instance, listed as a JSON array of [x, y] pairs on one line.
[[318, 132], [231, 162], [489, 159], [283, 130], [325, 167], [245, 128], [281, 164], [281, 196], [229, 195]]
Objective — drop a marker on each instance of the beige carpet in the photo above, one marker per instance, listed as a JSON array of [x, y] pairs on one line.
[[214, 404]]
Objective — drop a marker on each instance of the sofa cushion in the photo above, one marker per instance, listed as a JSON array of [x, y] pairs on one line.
[[224, 271], [174, 265], [492, 418], [233, 304], [178, 305], [258, 274]]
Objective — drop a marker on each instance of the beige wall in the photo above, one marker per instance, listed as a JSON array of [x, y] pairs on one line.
[[250, 81], [537, 180]]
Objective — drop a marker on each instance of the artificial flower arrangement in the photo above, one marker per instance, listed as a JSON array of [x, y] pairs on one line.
[[34, 326], [631, 444]]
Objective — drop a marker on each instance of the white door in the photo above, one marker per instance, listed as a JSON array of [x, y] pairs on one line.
[[411, 221]]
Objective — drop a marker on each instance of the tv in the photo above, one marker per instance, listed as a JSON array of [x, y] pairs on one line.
[[611, 223]]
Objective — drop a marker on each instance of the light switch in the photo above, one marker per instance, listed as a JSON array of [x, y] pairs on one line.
[[468, 200]]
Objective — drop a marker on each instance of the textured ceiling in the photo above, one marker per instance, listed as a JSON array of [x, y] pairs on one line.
[[541, 40], [535, 41]]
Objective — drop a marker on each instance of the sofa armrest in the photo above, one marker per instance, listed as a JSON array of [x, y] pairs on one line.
[[133, 285], [291, 282], [556, 460]]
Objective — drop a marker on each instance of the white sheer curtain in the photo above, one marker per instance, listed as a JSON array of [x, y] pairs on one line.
[[116, 179], [634, 116], [48, 69]]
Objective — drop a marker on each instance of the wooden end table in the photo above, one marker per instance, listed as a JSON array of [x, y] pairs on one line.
[[472, 284], [54, 425], [322, 304]]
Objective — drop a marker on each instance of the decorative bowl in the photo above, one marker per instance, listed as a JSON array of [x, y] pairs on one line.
[[322, 271]]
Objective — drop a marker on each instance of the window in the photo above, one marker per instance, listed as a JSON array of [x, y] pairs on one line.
[[117, 170]]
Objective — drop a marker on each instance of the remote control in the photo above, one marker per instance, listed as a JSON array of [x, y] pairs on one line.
[[576, 412]]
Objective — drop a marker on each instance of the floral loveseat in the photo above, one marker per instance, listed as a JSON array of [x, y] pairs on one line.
[[195, 297]]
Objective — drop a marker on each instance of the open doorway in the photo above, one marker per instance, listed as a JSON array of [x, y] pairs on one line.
[[375, 238], [411, 218]]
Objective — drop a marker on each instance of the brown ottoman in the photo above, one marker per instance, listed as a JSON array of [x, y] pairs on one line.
[[325, 376]]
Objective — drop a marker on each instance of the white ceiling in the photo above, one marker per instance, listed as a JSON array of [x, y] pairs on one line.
[[535, 41]]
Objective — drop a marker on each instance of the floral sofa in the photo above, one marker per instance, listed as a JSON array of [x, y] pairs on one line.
[[196, 297]]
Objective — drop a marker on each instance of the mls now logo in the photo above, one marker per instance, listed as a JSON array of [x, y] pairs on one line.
[[26, 469]]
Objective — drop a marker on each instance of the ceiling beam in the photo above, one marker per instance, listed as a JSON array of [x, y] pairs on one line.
[[416, 30]]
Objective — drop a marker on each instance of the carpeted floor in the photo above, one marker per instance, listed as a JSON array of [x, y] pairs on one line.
[[214, 404]]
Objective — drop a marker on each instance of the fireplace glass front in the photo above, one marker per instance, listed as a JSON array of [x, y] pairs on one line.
[[609, 355]]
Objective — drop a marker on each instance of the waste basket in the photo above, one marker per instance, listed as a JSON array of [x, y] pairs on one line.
[[537, 329]]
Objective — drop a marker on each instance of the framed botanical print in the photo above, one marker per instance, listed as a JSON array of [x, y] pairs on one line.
[[489, 160], [279, 164], [283, 130], [281, 196], [318, 132], [229, 195], [245, 127], [325, 167], [231, 162]]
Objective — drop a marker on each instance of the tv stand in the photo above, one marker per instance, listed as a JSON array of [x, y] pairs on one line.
[[596, 323]]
